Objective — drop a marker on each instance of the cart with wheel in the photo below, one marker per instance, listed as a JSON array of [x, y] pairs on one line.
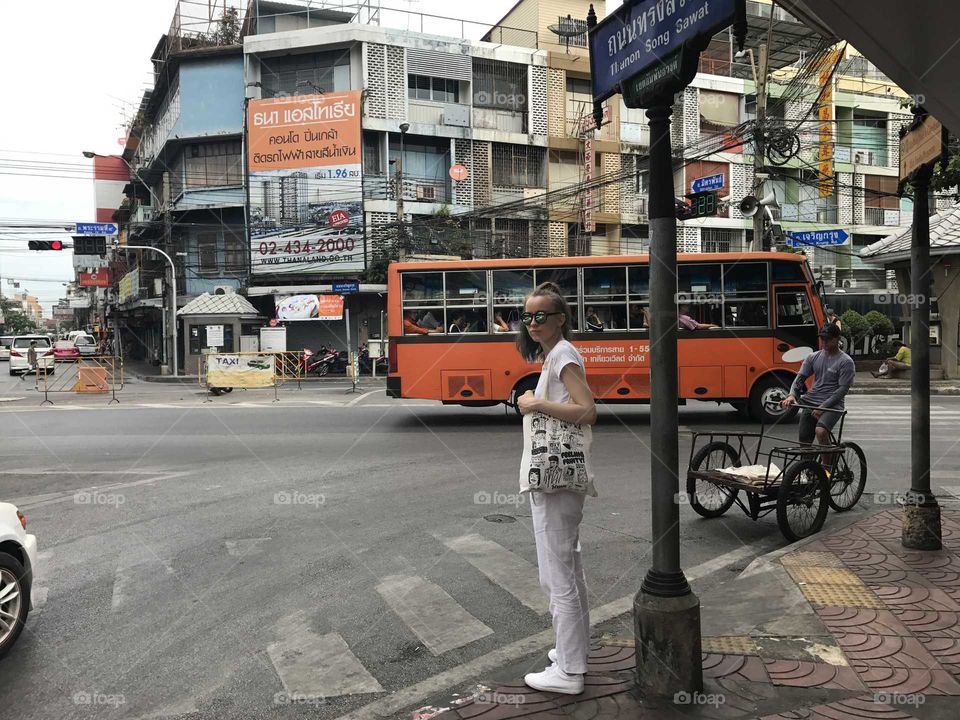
[[799, 482]]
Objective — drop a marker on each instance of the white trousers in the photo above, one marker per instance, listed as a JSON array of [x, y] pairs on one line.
[[556, 527]]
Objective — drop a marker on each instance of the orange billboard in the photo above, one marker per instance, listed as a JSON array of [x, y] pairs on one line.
[[306, 131]]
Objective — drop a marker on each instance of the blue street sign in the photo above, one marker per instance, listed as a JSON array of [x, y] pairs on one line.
[[711, 182], [635, 37], [96, 229], [816, 237], [345, 288]]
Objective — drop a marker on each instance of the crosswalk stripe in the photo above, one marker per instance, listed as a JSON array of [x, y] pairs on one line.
[[316, 667], [433, 616], [511, 572]]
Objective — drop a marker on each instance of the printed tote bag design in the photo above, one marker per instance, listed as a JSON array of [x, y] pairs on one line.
[[556, 455]]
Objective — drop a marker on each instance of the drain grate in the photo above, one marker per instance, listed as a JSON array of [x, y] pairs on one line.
[[498, 518]]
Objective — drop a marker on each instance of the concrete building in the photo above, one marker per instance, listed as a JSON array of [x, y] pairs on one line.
[[186, 190]]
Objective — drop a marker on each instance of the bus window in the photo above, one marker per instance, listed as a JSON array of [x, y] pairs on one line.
[[742, 278], [788, 272], [466, 301], [605, 298], [422, 289], [745, 313], [510, 289], [745, 295], [699, 279], [639, 282], [566, 280], [793, 308]]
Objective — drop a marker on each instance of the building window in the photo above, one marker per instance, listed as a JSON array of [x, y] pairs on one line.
[[212, 164], [234, 255], [719, 111], [518, 165], [422, 87], [207, 254], [305, 74], [372, 157], [499, 85], [715, 240]]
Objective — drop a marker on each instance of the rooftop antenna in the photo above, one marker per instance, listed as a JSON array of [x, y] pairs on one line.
[[567, 28]]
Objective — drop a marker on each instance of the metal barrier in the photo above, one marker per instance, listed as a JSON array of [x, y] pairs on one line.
[[93, 375]]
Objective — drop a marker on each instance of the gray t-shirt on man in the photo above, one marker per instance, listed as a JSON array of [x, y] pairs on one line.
[[833, 376]]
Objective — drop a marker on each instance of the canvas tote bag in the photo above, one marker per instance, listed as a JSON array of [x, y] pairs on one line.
[[556, 455]]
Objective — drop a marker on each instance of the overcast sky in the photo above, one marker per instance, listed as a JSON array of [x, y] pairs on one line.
[[73, 71]]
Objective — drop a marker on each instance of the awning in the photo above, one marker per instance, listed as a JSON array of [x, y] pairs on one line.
[[308, 289]]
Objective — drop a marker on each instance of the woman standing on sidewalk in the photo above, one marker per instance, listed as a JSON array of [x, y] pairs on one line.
[[563, 393]]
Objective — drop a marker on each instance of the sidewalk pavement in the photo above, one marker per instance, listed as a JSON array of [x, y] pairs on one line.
[[865, 384], [847, 624]]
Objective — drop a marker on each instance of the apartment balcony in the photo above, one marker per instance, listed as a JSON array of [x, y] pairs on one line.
[[435, 113], [503, 120], [861, 156], [415, 189], [806, 212], [882, 216]]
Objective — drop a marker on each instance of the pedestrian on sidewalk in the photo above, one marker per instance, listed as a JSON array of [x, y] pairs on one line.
[[833, 373], [562, 392], [900, 362]]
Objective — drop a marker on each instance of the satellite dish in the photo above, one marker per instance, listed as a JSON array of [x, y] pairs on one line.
[[567, 28]]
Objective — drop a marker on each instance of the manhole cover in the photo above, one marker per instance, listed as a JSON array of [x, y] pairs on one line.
[[499, 518]]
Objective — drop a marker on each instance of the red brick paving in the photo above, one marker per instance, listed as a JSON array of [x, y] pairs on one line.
[[910, 649]]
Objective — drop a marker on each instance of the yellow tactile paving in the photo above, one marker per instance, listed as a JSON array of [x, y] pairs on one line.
[[811, 559], [824, 576], [841, 596], [729, 645]]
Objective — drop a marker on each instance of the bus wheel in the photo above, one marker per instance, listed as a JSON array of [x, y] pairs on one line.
[[528, 383], [765, 401]]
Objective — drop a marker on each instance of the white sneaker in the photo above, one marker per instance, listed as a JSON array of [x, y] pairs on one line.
[[552, 655], [553, 679]]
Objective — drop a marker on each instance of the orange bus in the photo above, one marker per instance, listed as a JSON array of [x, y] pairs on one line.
[[452, 327]]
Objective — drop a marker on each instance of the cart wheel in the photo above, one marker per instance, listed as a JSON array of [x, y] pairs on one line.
[[706, 498], [802, 500], [848, 478]]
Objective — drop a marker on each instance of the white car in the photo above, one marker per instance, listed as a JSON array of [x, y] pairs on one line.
[[5, 341], [18, 559], [86, 344], [19, 358]]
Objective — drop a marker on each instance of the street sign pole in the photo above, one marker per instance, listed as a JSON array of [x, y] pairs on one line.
[[666, 611]]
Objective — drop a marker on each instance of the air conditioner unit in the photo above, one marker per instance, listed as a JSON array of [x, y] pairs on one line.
[[862, 157], [224, 290], [849, 283], [427, 193]]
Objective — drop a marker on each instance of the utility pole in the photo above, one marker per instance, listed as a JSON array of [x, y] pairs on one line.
[[922, 527], [666, 612], [401, 216], [759, 147]]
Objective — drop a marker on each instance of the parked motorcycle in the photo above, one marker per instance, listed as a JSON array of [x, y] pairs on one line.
[[366, 365], [327, 361]]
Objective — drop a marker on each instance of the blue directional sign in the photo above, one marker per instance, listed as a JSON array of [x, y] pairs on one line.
[[640, 35], [96, 229], [816, 237], [345, 288], [711, 182]]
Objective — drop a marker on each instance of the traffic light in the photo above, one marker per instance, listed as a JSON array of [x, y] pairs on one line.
[[45, 245], [90, 245], [703, 204]]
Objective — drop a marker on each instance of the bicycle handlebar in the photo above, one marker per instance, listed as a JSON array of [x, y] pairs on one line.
[[823, 409]]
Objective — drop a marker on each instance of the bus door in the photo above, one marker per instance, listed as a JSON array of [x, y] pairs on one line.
[[796, 332]]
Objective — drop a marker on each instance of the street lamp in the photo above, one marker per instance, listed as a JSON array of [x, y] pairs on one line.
[[173, 270]]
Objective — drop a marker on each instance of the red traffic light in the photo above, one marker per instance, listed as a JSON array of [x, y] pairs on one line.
[[45, 245]]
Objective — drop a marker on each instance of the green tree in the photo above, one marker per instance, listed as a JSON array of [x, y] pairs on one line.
[[855, 326], [228, 28], [879, 323], [15, 321]]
